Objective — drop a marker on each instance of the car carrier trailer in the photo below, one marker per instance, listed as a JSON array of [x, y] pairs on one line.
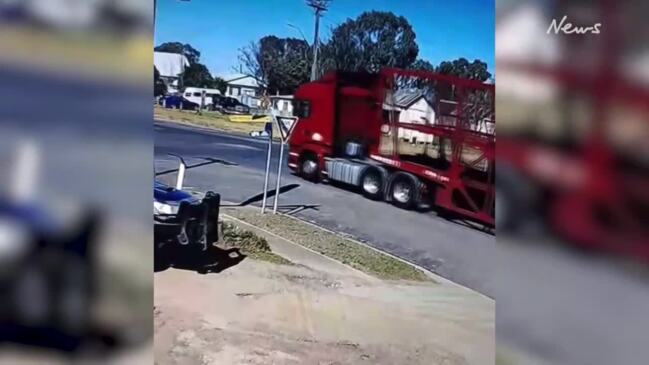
[[410, 138]]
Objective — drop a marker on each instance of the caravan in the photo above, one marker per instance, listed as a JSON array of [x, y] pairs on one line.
[[195, 95]]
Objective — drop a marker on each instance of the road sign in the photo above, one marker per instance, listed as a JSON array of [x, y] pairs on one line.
[[286, 125]]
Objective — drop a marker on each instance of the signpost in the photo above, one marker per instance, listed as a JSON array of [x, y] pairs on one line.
[[285, 126], [279, 176], [200, 110], [269, 132]]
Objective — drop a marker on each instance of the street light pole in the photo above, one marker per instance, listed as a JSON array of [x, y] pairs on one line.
[[319, 6], [314, 66]]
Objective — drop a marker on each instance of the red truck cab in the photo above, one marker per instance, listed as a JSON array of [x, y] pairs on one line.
[[350, 129]]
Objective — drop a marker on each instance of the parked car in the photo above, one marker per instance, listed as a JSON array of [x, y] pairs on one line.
[[195, 95], [230, 105], [178, 102]]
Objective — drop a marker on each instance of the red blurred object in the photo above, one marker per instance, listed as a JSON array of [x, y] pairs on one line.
[[588, 193]]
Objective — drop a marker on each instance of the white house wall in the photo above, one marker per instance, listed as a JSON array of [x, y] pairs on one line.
[[417, 113]]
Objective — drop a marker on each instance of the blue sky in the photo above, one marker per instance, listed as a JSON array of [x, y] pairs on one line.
[[218, 28]]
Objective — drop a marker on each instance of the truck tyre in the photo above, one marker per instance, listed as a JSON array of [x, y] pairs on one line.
[[309, 169], [372, 183], [404, 191]]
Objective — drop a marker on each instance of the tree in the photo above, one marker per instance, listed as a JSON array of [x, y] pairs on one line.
[[193, 55], [159, 87], [461, 67], [197, 75], [251, 58], [219, 84], [371, 41], [422, 65], [282, 64]]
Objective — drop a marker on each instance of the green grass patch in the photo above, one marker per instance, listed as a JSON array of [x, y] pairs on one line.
[[332, 245], [250, 244]]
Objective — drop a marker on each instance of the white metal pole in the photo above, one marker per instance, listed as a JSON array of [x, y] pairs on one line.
[[26, 172], [181, 176], [279, 176], [270, 149]]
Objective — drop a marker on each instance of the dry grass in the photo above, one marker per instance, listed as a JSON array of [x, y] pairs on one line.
[[250, 244], [78, 53], [339, 248], [210, 120]]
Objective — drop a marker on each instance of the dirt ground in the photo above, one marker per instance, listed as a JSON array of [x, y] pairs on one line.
[[263, 313]]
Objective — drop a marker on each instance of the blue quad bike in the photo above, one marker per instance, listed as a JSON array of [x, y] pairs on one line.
[[186, 227], [48, 280]]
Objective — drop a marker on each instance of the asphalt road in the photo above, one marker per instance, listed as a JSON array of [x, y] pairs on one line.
[[452, 250]]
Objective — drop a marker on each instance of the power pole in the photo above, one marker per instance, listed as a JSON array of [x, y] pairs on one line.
[[319, 7]]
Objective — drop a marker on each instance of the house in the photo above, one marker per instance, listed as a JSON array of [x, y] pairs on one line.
[[413, 107], [283, 104], [171, 67], [244, 88], [478, 119]]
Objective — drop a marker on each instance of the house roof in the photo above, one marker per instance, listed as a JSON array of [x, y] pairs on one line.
[[170, 64], [404, 98], [242, 80]]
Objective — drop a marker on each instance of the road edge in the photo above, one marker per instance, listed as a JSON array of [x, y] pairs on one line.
[[436, 277], [299, 246], [431, 275]]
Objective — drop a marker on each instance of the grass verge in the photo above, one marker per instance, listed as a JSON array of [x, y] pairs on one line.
[[332, 245], [92, 53], [250, 244], [210, 120]]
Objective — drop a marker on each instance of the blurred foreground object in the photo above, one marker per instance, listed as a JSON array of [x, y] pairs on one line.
[[47, 274], [90, 38], [572, 172], [572, 146], [76, 207]]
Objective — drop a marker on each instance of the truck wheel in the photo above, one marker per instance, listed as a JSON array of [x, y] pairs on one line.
[[372, 184], [309, 168], [403, 192]]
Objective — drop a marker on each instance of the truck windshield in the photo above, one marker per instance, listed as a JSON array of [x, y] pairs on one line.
[[302, 108]]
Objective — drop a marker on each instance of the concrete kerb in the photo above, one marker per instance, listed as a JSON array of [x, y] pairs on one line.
[[295, 245], [428, 273], [425, 271]]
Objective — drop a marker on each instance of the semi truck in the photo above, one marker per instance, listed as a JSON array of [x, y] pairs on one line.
[[412, 138]]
